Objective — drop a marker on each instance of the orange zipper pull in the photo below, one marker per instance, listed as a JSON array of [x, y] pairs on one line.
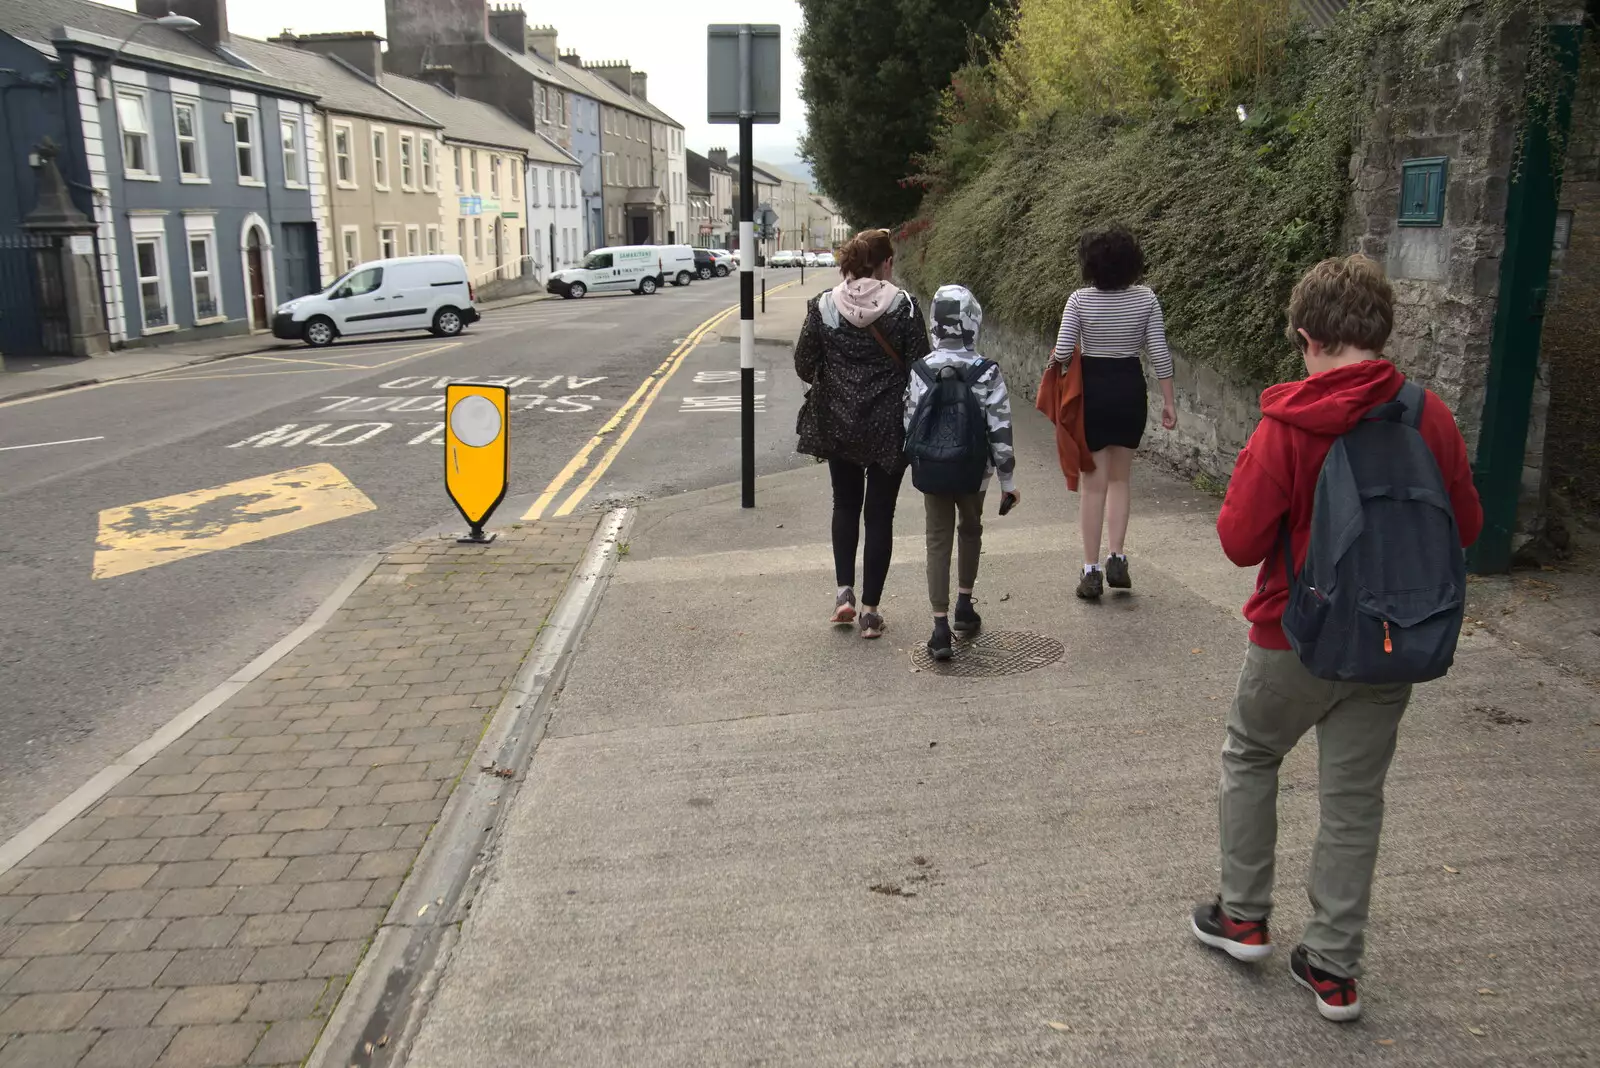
[[1388, 643]]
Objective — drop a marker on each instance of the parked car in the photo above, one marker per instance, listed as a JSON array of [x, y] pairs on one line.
[[825, 259], [726, 262], [677, 265], [809, 259], [630, 268], [408, 293], [705, 263], [786, 258]]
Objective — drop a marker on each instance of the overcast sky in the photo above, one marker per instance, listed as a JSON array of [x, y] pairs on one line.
[[665, 39]]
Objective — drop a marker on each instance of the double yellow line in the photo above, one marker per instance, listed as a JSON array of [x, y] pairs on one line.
[[637, 405]]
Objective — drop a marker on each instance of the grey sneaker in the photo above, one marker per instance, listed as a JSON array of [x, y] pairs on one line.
[[1091, 585], [844, 609], [871, 625], [1117, 576]]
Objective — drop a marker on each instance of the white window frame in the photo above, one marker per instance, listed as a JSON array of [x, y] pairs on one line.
[[141, 99], [477, 238], [413, 239], [461, 174], [461, 237], [203, 228], [252, 120], [533, 187], [550, 185], [514, 169], [430, 178], [408, 182], [347, 157], [434, 244], [350, 247], [201, 176], [494, 176], [292, 133], [379, 144], [472, 170], [388, 242], [152, 230], [561, 109]]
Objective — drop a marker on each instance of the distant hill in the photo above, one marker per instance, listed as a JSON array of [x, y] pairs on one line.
[[798, 168]]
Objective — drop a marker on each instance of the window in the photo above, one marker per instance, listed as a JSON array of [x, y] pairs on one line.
[[472, 164], [494, 176], [202, 264], [433, 237], [359, 285], [351, 247], [477, 237], [427, 164], [461, 175], [566, 248], [343, 163], [550, 185], [246, 145], [516, 178], [413, 240], [408, 162], [137, 159], [150, 256], [1422, 184], [561, 108], [461, 238], [543, 109], [387, 247], [533, 187], [187, 125], [380, 158], [293, 172]]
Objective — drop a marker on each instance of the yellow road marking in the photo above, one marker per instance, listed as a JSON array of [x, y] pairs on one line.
[[149, 533], [648, 391]]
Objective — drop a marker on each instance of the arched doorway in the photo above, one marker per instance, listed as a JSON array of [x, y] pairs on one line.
[[255, 252]]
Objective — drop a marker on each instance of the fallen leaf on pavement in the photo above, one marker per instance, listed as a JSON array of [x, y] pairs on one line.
[[1195, 652], [1484, 991], [422, 910], [1480, 1032], [1005, 597], [1057, 1025], [1385, 1041], [1452, 871]]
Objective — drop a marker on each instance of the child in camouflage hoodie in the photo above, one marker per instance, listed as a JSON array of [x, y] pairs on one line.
[[957, 317]]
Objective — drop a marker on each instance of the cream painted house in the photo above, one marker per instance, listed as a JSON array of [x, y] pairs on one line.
[[382, 159]]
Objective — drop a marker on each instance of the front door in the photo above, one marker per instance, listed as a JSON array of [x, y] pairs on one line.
[[300, 267], [641, 229], [258, 280]]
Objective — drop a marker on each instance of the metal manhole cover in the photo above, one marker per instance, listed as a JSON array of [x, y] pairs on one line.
[[995, 652]]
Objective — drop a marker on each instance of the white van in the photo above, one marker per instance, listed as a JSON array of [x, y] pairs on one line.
[[409, 293], [677, 264], [631, 268]]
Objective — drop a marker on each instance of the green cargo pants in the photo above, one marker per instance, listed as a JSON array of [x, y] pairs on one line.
[[1277, 703]]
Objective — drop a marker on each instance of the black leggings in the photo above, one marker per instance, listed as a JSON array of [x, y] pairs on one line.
[[869, 490]]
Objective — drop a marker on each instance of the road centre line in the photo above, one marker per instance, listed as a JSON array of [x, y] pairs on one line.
[[45, 444], [648, 391]]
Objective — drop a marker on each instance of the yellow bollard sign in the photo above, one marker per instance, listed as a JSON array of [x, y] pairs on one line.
[[477, 452]]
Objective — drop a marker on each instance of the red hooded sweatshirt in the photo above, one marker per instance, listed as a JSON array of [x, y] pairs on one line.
[[1276, 475]]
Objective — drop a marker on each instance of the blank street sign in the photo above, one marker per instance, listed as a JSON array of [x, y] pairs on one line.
[[722, 75]]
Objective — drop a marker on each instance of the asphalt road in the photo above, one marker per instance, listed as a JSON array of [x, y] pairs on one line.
[[90, 666]]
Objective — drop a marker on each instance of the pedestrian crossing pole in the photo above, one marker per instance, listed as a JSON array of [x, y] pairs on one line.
[[742, 86]]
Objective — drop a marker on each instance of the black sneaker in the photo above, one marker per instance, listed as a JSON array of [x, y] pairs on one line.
[[1117, 576], [1246, 940], [1337, 999], [1091, 585], [966, 619], [939, 646]]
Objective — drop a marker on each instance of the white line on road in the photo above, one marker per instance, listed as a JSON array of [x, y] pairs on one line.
[[45, 444]]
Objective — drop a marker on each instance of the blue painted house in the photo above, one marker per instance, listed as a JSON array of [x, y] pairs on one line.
[[198, 171]]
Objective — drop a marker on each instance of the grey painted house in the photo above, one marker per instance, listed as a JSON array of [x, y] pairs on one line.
[[202, 183]]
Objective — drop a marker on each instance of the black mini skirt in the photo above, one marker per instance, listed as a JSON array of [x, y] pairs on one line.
[[1114, 402]]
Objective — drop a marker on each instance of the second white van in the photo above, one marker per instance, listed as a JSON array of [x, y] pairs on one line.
[[623, 268], [409, 293], [677, 264]]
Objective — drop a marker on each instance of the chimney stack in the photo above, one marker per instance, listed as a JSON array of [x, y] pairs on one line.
[[508, 24], [641, 83], [212, 15], [361, 49], [571, 57], [619, 74], [718, 158], [541, 42]]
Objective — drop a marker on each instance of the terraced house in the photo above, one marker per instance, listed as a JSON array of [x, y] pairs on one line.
[[380, 158], [198, 173]]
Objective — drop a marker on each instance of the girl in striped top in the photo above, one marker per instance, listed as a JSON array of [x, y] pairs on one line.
[[1111, 322]]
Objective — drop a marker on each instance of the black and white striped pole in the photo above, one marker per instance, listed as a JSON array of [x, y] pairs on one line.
[[743, 87]]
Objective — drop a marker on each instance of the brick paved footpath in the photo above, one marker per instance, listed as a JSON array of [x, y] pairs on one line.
[[210, 910]]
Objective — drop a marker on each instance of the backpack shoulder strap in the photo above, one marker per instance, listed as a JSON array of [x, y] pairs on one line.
[[975, 372], [1414, 398], [923, 371]]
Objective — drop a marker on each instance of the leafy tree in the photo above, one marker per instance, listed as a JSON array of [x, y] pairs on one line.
[[874, 73]]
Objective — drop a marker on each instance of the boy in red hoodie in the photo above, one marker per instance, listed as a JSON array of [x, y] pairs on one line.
[[1340, 316]]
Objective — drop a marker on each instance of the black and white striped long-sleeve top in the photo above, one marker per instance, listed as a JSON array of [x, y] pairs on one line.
[[1115, 323]]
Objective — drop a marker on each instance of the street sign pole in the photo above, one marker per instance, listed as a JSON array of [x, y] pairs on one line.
[[747, 280], [750, 56]]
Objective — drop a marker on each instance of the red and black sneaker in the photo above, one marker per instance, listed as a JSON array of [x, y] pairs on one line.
[[1337, 999], [1246, 940]]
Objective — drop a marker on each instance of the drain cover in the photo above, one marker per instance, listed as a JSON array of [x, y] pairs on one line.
[[997, 652]]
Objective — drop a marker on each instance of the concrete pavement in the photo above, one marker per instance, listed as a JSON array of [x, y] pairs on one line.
[[749, 838]]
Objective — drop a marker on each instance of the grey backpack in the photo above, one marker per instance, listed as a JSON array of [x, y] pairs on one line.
[[1382, 594]]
